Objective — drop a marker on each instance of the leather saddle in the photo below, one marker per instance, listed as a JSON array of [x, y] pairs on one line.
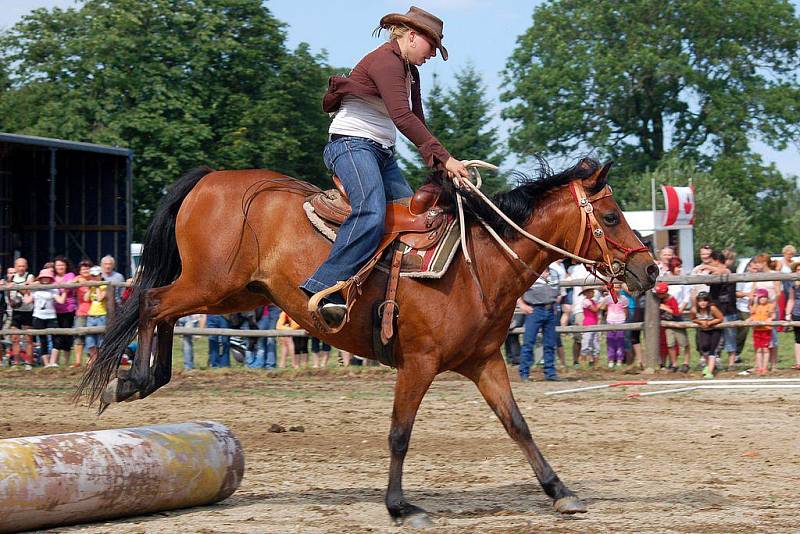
[[418, 222]]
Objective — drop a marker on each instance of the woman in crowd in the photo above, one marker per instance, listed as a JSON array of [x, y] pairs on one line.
[[793, 313], [706, 315], [44, 315], [65, 311], [764, 264], [785, 266], [82, 310]]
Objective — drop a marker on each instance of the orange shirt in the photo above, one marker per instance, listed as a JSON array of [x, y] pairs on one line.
[[286, 323], [762, 312]]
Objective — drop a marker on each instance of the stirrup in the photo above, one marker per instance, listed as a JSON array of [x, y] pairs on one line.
[[315, 309]]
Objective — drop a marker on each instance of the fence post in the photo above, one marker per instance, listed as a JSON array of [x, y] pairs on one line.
[[652, 335], [111, 301]]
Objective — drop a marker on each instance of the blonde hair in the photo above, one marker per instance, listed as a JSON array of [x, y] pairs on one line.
[[789, 249], [396, 31]]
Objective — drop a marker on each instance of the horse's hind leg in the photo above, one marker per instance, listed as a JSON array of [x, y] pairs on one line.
[[161, 307], [491, 377], [135, 383]]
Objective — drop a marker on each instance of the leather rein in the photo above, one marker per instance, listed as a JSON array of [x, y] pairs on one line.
[[608, 270]]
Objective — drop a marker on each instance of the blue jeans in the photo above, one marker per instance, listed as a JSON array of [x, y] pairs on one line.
[[543, 318], [219, 347], [188, 341], [94, 340], [371, 178], [729, 334], [265, 354]]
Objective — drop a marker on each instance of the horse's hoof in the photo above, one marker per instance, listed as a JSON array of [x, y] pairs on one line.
[[417, 520], [109, 394], [118, 391], [570, 505]]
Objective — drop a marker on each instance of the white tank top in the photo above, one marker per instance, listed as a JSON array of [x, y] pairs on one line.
[[364, 116]]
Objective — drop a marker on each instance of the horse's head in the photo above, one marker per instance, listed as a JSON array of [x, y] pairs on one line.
[[603, 234]]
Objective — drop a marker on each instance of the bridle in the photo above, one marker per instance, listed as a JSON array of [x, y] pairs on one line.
[[607, 270]]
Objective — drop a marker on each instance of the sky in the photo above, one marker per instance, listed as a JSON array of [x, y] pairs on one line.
[[480, 32]]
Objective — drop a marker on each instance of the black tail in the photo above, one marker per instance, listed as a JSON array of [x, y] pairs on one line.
[[160, 266]]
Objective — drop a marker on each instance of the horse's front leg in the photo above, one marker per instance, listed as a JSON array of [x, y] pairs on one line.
[[411, 386], [491, 377]]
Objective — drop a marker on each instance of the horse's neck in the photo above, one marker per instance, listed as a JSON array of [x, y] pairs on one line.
[[506, 278]]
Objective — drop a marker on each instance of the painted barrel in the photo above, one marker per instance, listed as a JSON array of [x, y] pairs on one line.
[[72, 478]]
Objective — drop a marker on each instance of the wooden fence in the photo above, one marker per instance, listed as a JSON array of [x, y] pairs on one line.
[[651, 324]]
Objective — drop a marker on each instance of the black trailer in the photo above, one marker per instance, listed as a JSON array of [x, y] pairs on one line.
[[64, 198]]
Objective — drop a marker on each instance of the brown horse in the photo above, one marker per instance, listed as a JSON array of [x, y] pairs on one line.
[[199, 259]]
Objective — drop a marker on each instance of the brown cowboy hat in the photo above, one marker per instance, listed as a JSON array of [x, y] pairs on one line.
[[421, 21]]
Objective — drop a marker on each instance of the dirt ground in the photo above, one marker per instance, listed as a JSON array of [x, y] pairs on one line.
[[713, 461]]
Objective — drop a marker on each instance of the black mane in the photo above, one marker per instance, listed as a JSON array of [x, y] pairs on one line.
[[519, 203]]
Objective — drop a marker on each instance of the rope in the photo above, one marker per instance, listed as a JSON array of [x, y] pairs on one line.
[[466, 184]]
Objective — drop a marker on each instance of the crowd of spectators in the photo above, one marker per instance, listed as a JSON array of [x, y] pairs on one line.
[[40, 308], [546, 304]]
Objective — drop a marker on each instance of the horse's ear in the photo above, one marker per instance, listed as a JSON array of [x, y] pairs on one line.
[[600, 179]]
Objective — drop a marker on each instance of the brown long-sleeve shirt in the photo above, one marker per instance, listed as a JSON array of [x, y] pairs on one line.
[[383, 73]]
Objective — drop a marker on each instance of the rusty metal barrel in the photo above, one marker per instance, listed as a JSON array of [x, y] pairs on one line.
[[63, 479]]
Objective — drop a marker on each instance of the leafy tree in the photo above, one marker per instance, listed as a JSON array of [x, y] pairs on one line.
[[460, 119], [181, 82], [643, 79]]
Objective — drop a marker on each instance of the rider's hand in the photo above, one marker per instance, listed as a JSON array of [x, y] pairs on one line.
[[456, 169]]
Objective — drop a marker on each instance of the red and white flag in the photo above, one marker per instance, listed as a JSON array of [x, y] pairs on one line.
[[680, 205]]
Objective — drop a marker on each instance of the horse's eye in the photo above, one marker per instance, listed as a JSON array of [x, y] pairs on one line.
[[611, 219]]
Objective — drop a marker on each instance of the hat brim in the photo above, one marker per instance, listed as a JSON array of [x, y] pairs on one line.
[[393, 19]]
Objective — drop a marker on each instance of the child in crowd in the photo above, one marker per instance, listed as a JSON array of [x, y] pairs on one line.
[[82, 312], [96, 296], [285, 343], [705, 315], [762, 310], [669, 310], [616, 313], [590, 341], [44, 315]]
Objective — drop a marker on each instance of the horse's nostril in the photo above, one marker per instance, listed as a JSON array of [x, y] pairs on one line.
[[652, 271]]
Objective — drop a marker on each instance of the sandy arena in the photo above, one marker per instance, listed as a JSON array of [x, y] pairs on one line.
[[712, 461]]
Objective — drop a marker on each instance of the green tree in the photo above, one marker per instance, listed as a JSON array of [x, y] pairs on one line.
[[461, 119], [181, 82], [643, 79]]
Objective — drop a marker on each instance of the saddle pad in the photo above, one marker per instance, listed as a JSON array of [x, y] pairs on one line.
[[430, 263]]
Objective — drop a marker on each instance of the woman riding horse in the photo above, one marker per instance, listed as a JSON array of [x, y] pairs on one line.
[[368, 105]]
